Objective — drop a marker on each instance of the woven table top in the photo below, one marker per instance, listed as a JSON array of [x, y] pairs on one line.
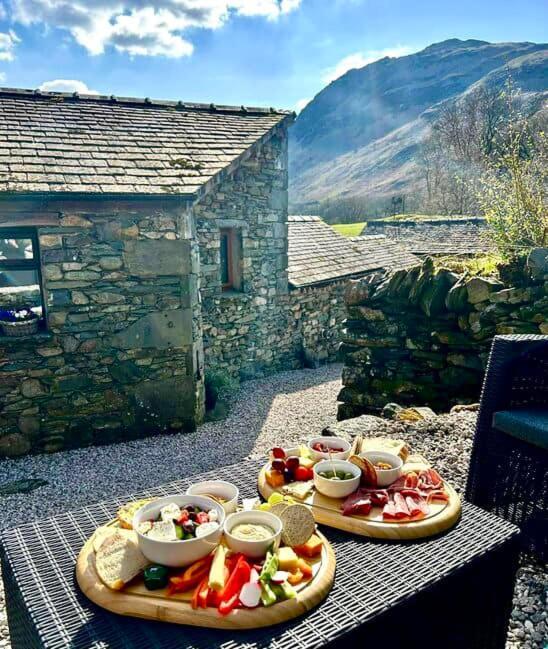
[[371, 577]]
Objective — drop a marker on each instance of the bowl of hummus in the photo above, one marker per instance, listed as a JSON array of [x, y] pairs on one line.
[[252, 533]]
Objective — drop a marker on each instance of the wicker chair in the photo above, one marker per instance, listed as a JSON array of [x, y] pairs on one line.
[[509, 465]]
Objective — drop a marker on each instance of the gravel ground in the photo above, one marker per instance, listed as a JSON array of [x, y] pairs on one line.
[[286, 407]]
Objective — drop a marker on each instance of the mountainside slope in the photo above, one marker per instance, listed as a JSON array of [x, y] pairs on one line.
[[360, 135]]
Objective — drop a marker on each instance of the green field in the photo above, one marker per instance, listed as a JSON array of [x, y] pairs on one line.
[[349, 229]]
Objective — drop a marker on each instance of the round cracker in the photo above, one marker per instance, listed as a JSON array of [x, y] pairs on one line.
[[298, 525], [278, 508]]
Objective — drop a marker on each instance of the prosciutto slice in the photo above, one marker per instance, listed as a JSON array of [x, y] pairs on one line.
[[402, 511], [417, 506], [389, 511], [378, 497], [357, 504]]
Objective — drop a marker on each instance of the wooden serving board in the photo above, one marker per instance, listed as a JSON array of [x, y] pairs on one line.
[[136, 601], [327, 511]]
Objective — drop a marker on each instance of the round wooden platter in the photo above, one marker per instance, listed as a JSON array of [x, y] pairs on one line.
[[327, 511], [136, 601]]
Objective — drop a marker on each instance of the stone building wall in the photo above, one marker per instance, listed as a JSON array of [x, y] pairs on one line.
[[248, 332], [120, 356], [317, 314], [422, 336]]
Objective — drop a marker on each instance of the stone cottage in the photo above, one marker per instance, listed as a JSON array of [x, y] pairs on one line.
[[146, 235], [321, 261]]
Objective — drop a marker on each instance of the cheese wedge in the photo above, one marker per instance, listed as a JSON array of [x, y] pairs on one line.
[[299, 490], [396, 446], [415, 463]]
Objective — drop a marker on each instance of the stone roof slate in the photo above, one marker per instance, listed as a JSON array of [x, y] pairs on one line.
[[317, 254], [451, 236], [60, 142]]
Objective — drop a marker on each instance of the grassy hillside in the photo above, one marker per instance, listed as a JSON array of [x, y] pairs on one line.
[[349, 229]]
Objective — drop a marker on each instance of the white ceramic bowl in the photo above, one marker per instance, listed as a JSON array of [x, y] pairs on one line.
[[225, 490], [385, 477], [253, 549], [177, 554], [332, 442], [336, 488]]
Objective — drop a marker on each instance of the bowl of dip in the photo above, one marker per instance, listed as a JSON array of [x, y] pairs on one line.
[[253, 533], [225, 493]]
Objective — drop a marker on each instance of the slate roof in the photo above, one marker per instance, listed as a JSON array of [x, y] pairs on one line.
[[317, 254], [451, 236], [60, 142]]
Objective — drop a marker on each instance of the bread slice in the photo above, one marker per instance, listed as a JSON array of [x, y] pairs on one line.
[[119, 560], [396, 446], [127, 512], [101, 533]]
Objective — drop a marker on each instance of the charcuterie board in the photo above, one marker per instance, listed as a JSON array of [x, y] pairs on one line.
[[136, 601], [327, 511]]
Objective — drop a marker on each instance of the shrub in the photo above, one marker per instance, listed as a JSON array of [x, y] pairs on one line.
[[218, 386]]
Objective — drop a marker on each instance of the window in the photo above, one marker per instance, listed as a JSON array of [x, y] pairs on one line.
[[20, 278], [231, 255]]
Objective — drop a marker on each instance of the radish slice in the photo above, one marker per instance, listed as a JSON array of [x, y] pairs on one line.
[[250, 595], [279, 577], [254, 576]]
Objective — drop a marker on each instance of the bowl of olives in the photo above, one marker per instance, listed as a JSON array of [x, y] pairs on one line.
[[336, 478]]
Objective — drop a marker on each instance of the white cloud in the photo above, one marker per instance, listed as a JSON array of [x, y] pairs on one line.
[[301, 104], [67, 85], [360, 59], [8, 41], [2, 77], [141, 27]]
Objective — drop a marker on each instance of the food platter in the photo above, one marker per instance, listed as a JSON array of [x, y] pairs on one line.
[[327, 511], [135, 598]]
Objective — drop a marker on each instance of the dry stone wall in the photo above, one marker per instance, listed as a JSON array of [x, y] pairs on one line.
[[120, 356], [422, 336]]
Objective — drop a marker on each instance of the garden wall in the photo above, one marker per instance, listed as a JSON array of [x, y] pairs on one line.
[[120, 355], [422, 336]]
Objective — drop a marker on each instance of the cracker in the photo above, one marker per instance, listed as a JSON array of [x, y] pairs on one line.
[[298, 525], [278, 508]]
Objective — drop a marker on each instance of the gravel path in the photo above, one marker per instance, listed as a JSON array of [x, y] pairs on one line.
[[287, 407]]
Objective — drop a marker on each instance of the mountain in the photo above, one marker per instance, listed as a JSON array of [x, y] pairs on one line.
[[361, 134]]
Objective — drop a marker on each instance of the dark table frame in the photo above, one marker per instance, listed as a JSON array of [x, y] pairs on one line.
[[454, 590]]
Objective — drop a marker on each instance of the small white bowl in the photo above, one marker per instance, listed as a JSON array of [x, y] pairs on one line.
[[385, 477], [217, 488], [177, 554], [253, 549], [332, 442], [336, 488]]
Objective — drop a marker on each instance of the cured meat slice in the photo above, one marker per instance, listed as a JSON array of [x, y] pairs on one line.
[[357, 504], [401, 506], [417, 506], [389, 511], [438, 495], [411, 480], [379, 497]]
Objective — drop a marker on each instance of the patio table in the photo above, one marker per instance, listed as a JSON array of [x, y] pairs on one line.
[[454, 590]]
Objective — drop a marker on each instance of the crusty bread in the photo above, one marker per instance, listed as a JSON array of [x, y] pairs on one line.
[[396, 446], [101, 534], [119, 560], [127, 512]]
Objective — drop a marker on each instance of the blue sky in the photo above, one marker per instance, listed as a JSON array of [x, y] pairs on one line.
[[253, 52]]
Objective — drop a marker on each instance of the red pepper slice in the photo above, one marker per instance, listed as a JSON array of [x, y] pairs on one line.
[[239, 576], [226, 606]]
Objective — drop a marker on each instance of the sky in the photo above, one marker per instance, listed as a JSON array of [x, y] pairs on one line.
[[254, 52]]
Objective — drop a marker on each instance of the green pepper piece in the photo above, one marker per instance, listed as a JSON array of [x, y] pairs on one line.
[[156, 577], [270, 566], [179, 532]]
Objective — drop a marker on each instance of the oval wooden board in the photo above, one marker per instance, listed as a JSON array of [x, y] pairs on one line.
[[327, 511], [136, 601]]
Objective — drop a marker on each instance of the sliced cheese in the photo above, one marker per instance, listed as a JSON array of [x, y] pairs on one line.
[[300, 490]]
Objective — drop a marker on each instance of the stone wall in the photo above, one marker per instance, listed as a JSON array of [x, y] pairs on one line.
[[248, 332], [422, 336], [120, 356]]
